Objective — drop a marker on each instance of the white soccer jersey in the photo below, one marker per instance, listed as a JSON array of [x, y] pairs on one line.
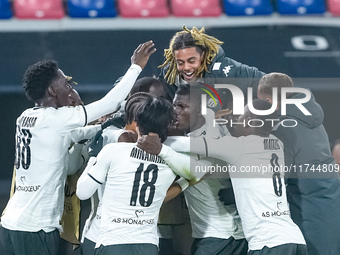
[[209, 216], [42, 138], [111, 134], [136, 184], [259, 191], [86, 132], [77, 155], [92, 226], [260, 196]]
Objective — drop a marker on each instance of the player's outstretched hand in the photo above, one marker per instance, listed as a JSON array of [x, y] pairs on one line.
[[96, 144], [142, 53], [150, 143]]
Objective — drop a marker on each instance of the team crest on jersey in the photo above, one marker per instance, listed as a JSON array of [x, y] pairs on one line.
[[211, 103]]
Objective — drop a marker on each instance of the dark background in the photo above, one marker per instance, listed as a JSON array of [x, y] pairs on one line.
[[96, 59]]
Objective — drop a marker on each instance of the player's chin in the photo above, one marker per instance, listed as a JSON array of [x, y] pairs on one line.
[[190, 78]]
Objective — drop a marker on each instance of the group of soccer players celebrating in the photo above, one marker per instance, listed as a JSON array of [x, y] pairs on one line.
[[148, 152]]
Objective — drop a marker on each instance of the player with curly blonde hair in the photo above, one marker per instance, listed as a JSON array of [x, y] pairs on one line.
[[193, 55]]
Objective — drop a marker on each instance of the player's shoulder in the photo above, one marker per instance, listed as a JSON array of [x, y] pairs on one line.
[[118, 147], [222, 66], [78, 108], [111, 130], [111, 134], [35, 112], [66, 115]]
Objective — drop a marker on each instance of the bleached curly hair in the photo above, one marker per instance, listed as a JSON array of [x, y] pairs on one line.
[[187, 39]]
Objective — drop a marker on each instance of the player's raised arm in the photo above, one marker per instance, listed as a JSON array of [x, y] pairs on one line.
[[178, 162], [225, 148], [89, 182], [112, 100]]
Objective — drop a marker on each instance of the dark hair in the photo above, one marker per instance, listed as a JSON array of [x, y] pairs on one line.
[[183, 89], [144, 84], [186, 40], [275, 80], [260, 104], [132, 104], [193, 90], [38, 77], [154, 115]]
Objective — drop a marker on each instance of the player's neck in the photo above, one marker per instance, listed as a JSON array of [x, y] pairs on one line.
[[46, 102], [200, 122], [131, 127]]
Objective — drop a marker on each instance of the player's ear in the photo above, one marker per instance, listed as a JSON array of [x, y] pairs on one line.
[[197, 110], [202, 56], [270, 100], [52, 91]]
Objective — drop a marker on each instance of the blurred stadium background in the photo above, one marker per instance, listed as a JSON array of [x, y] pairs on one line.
[[93, 41]]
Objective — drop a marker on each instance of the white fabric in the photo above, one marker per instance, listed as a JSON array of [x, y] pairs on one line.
[[216, 66], [126, 216], [92, 226], [178, 162], [208, 215], [76, 160], [178, 143], [111, 134], [86, 132], [183, 183], [38, 200], [84, 181], [265, 216]]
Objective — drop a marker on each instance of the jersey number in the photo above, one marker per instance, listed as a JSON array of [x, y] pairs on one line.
[[23, 150], [276, 175], [146, 185]]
